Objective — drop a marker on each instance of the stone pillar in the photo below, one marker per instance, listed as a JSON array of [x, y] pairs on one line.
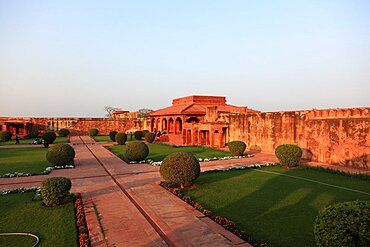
[[207, 138]]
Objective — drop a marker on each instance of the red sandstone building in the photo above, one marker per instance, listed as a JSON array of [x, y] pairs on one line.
[[192, 120]]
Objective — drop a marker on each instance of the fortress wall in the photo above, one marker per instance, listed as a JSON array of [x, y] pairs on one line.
[[76, 125], [336, 136]]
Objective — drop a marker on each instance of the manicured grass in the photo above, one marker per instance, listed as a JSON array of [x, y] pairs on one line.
[[107, 138], [29, 141], [272, 208], [55, 226], [158, 151], [29, 160]]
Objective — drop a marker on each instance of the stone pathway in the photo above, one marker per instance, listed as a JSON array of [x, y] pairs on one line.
[[133, 209]]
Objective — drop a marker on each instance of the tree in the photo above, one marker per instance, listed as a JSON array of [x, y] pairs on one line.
[[144, 112], [109, 111]]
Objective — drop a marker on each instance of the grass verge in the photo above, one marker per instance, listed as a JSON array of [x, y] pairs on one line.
[[272, 208], [158, 151], [55, 226], [25, 160], [59, 139]]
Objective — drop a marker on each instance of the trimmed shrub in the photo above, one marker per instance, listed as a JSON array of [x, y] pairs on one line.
[[138, 135], [93, 132], [136, 151], [112, 135], [288, 154], [121, 138], [55, 191], [46, 144], [180, 169], [344, 224], [149, 137], [236, 148], [63, 132], [6, 136], [60, 155], [49, 137], [144, 132], [33, 134]]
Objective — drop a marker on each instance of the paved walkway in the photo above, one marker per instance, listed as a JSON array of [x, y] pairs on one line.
[[134, 209]]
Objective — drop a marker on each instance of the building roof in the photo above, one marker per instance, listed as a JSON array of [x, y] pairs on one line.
[[197, 105]]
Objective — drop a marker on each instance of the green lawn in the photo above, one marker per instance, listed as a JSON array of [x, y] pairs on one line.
[[55, 226], [158, 151], [107, 138], [273, 208], [30, 160], [29, 141]]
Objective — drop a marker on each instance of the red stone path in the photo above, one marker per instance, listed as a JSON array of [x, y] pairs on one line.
[[134, 209]]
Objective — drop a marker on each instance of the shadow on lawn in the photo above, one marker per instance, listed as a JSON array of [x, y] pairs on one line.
[[282, 210]]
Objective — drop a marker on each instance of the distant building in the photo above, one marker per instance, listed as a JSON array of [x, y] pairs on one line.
[[193, 120], [124, 114]]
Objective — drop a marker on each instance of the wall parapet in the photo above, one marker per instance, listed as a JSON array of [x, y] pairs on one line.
[[336, 136]]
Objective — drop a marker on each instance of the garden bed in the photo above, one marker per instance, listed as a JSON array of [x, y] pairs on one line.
[[272, 204], [106, 138], [59, 139], [55, 226], [20, 162], [158, 151]]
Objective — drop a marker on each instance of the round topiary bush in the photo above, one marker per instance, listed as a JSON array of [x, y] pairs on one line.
[[344, 224], [288, 154], [180, 169], [54, 191], [6, 136], [93, 132], [60, 155], [144, 133], [46, 144], [49, 137], [149, 137], [138, 135], [33, 134], [136, 151], [63, 132], [112, 135], [121, 138], [236, 148]]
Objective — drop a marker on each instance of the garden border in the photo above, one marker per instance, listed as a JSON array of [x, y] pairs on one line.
[[83, 236]]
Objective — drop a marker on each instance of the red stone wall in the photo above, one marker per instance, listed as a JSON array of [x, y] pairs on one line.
[[337, 136], [77, 125]]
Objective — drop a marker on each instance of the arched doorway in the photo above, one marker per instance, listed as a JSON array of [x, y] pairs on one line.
[[178, 125], [170, 125], [164, 124]]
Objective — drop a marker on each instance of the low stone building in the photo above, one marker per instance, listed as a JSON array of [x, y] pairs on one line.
[[193, 120]]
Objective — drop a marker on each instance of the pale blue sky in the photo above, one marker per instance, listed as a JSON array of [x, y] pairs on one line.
[[71, 58]]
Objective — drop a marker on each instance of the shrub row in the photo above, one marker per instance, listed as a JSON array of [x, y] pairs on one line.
[[60, 155], [344, 224], [93, 132], [149, 137], [236, 148], [180, 169], [54, 191], [288, 154], [6, 136], [49, 137], [138, 135], [33, 134], [63, 132], [112, 135], [121, 138], [136, 151]]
